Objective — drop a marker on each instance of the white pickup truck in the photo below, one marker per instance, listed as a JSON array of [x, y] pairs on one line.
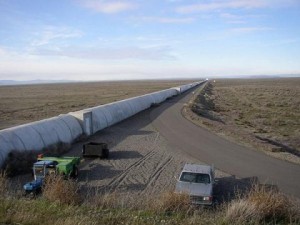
[[197, 181]]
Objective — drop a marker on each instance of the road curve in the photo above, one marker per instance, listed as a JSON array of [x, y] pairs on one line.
[[225, 155]]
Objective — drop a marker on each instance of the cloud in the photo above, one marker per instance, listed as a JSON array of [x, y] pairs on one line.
[[218, 5], [2, 52], [242, 30], [150, 53], [169, 20], [231, 18], [108, 6], [51, 33], [239, 19]]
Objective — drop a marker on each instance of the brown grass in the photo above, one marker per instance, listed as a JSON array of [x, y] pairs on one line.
[[173, 202], [3, 183], [61, 190], [261, 113], [261, 205], [104, 201], [28, 103]]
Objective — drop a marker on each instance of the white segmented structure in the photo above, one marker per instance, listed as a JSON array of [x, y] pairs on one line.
[[67, 128]]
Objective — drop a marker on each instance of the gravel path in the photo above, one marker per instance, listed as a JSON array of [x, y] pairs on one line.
[[141, 162]]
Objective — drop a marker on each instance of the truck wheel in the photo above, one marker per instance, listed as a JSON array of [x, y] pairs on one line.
[[105, 153], [74, 173]]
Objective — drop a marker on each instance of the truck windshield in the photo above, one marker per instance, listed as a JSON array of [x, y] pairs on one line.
[[39, 171], [195, 177]]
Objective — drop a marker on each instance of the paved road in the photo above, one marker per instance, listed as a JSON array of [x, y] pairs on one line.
[[225, 155]]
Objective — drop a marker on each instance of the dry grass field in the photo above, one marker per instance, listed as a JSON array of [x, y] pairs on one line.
[[26, 103], [262, 113], [61, 203]]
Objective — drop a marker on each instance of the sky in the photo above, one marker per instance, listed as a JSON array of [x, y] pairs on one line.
[[148, 39]]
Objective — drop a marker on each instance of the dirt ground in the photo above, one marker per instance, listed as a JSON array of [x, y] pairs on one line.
[[27, 103], [262, 114], [141, 165]]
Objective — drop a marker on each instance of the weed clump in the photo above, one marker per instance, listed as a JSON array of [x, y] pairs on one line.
[[3, 184], [61, 190], [261, 205], [174, 202], [105, 201]]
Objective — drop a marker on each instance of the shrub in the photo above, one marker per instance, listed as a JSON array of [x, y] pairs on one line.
[[271, 203], [242, 211], [60, 190], [174, 202], [3, 183], [104, 201], [260, 205]]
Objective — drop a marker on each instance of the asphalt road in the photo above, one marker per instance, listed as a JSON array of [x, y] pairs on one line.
[[227, 156]]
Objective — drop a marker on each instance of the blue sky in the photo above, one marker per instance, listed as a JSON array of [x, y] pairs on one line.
[[147, 39]]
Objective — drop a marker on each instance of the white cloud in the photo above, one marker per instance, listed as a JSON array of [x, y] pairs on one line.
[[169, 20], [149, 53], [218, 5], [239, 19], [2, 52], [8, 54], [51, 33], [231, 18], [108, 6], [242, 30]]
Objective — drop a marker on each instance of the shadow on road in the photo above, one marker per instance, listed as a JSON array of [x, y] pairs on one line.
[[96, 171], [124, 154], [230, 188]]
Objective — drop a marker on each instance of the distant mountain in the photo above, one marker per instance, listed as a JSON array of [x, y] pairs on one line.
[[263, 76], [15, 82]]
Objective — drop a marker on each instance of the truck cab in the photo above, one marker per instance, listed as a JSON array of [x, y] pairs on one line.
[[42, 168], [197, 181]]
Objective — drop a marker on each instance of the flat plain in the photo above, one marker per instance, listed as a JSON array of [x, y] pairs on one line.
[[138, 174], [27, 103]]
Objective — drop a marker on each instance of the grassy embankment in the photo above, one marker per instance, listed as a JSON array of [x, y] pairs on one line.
[[60, 203]]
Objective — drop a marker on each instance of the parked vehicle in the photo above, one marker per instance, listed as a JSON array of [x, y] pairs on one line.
[[95, 149], [44, 166], [197, 181]]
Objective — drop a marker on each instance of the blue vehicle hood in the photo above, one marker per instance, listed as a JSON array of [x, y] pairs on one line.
[[33, 185]]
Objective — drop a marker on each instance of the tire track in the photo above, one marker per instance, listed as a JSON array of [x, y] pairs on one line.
[[119, 179], [158, 171], [116, 182]]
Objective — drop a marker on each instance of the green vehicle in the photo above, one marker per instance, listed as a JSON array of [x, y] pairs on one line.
[[66, 166]]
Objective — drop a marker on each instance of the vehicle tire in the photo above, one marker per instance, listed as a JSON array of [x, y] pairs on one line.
[[74, 173], [105, 153]]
